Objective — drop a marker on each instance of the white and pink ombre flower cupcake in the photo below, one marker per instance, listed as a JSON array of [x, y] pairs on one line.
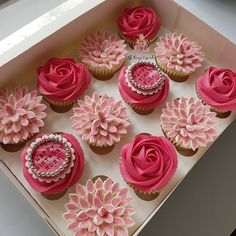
[[103, 54], [100, 121], [100, 208], [178, 56], [21, 117], [188, 124]]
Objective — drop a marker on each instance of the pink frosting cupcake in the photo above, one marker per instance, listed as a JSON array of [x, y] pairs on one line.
[[21, 117], [217, 88], [138, 21], [52, 163], [100, 208], [103, 54], [178, 56], [148, 163], [62, 82], [100, 121], [188, 124], [143, 86]]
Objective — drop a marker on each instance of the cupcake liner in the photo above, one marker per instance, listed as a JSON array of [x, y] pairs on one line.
[[219, 113], [103, 73], [54, 196], [101, 150], [59, 106]]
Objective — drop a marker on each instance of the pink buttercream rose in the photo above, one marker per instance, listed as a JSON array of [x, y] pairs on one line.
[[148, 162], [63, 79], [217, 87], [139, 20]]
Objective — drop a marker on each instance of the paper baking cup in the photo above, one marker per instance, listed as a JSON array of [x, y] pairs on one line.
[[54, 196], [58, 106], [101, 150]]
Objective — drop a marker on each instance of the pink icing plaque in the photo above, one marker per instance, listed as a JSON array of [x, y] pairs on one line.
[[145, 78]]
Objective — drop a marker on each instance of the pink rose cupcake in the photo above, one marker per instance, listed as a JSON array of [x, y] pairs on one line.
[[188, 124], [62, 82], [100, 121], [21, 117], [138, 21], [52, 163], [178, 56], [103, 53], [143, 86], [147, 164], [100, 208], [217, 88]]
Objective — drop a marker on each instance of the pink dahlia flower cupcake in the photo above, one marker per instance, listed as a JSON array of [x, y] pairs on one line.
[[178, 56], [143, 86], [21, 117], [52, 163], [147, 164], [217, 88], [103, 54], [62, 82], [100, 208], [100, 121], [138, 21], [188, 124]]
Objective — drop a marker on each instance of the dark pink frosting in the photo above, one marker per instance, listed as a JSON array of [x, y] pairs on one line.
[[148, 162], [217, 87], [63, 80], [140, 100], [139, 20], [58, 154]]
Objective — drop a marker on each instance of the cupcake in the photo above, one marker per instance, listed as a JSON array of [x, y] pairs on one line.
[[100, 208], [147, 164], [138, 21], [188, 124], [62, 82], [21, 117], [143, 86], [217, 88], [52, 163], [100, 121], [103, 53], [178, 56]]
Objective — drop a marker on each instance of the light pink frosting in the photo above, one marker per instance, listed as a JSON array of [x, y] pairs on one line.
[[49, 156], [139, 20], [100, 208], [63, 80], [217, 87], [148, 162], [141, 100], [102, 50], [100, 120], [21, 114], [179, 53], [188, 123]]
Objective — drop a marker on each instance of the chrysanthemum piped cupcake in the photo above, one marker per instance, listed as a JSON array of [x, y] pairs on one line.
[[138, 21], [178, 56], [188, 124], [100, 208], [52, 163], [21, 117], [103, 53], [62, 81], [147, 164], [143, 86], [217, 88], [100, 121]]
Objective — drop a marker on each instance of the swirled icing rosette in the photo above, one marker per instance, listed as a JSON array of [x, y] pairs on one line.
[[148, 163], [189, 124], [217, 88], [178, 56], [103, 54], [143, 86], [52, 163], [100, 208]]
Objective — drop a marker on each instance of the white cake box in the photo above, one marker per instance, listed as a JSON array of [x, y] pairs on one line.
[[57, 34]]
